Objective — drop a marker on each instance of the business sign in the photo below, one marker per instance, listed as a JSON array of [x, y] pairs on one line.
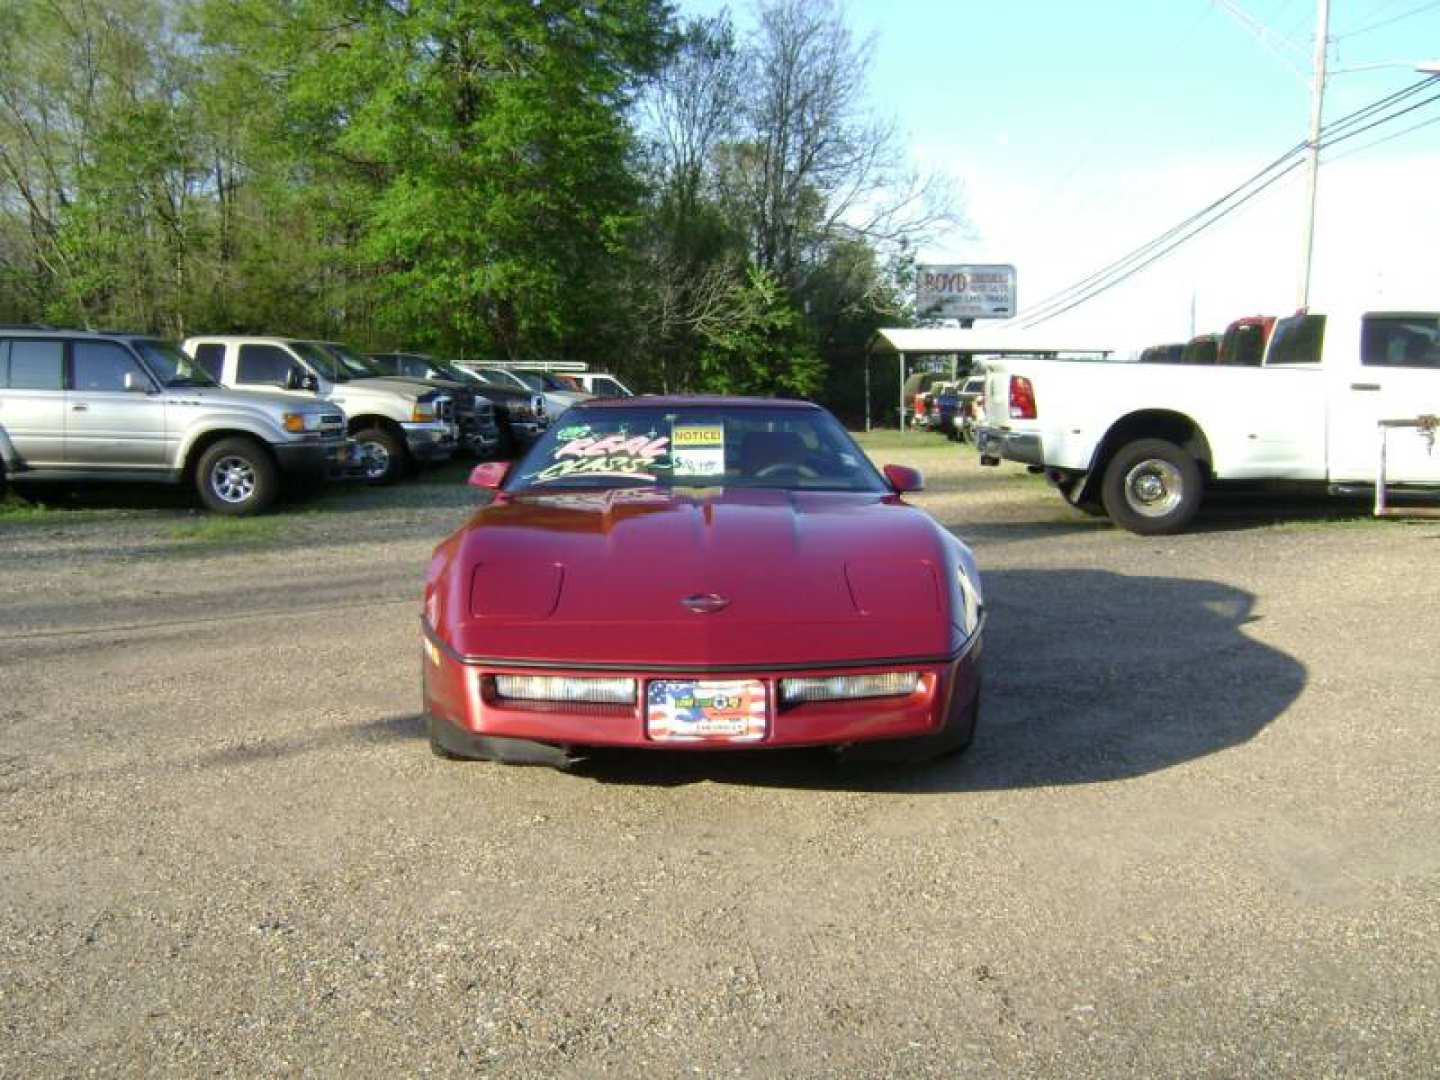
[[965, 292]]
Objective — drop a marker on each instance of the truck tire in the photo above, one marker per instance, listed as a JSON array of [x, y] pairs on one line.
[[387, 460], [236, 477], [1152, 487]]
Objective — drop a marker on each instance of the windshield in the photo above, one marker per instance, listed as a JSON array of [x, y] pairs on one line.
[[786, 448], [447, 370], [531, 379], [353, 364], [501, 377], [328, 366], [171, 366]]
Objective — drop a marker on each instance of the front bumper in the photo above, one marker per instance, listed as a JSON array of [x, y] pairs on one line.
[[1011, 445], [323, 459], [430, 441], [459, 696]]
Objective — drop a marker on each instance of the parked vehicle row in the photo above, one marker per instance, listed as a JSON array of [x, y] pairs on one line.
[[520, 416], [84, 406], [1241, 345], [1142, 442], [950, 408]]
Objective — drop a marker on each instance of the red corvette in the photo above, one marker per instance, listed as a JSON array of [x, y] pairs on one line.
[[699, 573]]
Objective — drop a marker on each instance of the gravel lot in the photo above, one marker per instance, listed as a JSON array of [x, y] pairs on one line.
[[1198, 834]]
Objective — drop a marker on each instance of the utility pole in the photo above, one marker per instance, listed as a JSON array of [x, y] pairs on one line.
[[1317, 112]]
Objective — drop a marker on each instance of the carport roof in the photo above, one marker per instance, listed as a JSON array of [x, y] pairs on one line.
[[978, 340]]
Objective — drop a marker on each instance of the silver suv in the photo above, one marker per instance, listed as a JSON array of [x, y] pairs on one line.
[[79, 405]]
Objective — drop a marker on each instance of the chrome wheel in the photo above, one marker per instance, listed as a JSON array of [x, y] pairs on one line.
[[233, 480], [377, 460], [1154, 487]]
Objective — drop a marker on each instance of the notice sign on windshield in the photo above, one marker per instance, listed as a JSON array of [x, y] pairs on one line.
[[697, 450]]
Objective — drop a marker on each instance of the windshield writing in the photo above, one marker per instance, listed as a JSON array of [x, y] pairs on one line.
[[782, 448]]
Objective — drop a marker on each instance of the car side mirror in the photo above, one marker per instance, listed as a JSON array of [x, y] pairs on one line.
[[136, 384], [489, 475], [299, 379], [903, 478]]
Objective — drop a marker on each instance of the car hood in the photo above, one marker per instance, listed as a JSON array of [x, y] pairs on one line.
[[382, 387], [269, 401], [598, 578]]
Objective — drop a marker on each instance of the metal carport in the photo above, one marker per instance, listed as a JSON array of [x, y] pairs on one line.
[[967, 342]]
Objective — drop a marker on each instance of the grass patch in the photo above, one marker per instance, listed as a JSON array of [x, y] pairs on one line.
[[224, 531], [891, 439], [15, 510]]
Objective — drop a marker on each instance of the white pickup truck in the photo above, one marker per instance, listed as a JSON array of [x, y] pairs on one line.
[[1141, 442]]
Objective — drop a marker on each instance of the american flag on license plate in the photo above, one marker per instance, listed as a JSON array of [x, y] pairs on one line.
[[733, 710]]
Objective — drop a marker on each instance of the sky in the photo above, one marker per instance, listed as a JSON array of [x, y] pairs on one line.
[[1077, 131]]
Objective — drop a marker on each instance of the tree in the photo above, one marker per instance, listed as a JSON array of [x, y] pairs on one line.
[[763, 156], [765, 348], [94, 138], [687, 274], [479, 148], [820, 168]]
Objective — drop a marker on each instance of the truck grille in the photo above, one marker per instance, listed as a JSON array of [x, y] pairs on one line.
[[445, 409]]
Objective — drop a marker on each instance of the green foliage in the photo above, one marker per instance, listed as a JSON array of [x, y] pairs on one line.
[[569, 179], [480, 148], [766, 350]]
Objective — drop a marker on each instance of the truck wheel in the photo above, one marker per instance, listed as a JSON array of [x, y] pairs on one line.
[[236, 476], [386, 458], [1152, 487]]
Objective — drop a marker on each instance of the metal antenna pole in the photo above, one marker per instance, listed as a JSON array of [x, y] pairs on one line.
[[1317, 111]]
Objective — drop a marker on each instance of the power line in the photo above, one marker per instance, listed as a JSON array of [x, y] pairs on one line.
[[1383, 120], [1120, 263], [1263, 34], [1388, 138], [1059, 302], [1158, 255], [1078, 297], [1386, 22]]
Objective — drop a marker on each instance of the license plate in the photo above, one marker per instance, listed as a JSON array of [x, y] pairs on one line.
[[705, 710]]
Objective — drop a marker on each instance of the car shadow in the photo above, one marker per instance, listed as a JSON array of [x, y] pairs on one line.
[[381, 730], [1090, 676]]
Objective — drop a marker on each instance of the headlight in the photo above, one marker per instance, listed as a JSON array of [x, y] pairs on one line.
[[423, 412], [850, 687], [968, 578], [298, 423], [565, 689]]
